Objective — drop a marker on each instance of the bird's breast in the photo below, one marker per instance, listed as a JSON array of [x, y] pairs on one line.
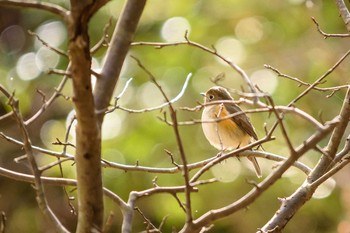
[[223, 134]]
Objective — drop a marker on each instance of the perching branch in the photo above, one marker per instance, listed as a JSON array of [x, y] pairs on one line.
[[293, 203], [244, 201]]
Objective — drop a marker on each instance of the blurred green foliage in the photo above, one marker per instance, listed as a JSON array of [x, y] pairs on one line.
[[278, 33]]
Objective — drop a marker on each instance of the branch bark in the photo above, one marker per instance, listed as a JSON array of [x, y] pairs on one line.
[[293, 203], [116, 53], [50, 7], [247, 199], [88, 134], [344, 12], [39, 188]]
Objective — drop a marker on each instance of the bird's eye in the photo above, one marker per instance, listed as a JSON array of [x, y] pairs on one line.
[[211, 97]]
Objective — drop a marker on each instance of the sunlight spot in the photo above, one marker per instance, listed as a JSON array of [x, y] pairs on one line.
[[112, 125], [51, 130], [266, 80], [174, 29], [53, 33], [12, 39], [231, 49], [249, 30], [46, 59], [150, 96], [26, 67]]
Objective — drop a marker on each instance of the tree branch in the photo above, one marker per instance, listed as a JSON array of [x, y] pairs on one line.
[[88, 131], [158, 170], [294, 202], [344, 12], [56, 182], [116, 53], [239, 70], [39, 188], [247, 199], [50, 7]]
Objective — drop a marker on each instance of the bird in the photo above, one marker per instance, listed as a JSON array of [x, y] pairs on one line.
[[231, 133]]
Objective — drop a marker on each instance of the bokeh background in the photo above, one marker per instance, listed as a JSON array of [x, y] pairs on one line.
[[251, 33]]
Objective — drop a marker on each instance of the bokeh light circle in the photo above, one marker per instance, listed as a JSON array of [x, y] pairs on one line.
[[174, 29], [249, 30], [231, 49], [26, 67], [266, 80]]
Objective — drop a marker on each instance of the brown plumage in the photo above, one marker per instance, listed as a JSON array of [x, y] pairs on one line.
[[234, 132]]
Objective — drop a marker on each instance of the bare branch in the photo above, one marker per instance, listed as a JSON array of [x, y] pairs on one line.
[[178, 168], [326, 35], [239, 70], [263, 108], [333, 144], [181, 93], [294, 202], [56, 182], [56, 50], [281, 124], [104, 39], [320, 79], [46, 6], [332, 89], [344, 12], [175, 127], [39, 188], [47, 103], [212, 215], [147, 221], [223, 157], [344, 151], [7, 115], [116, 53]]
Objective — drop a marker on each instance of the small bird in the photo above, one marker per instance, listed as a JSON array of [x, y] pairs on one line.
[[231, 133]]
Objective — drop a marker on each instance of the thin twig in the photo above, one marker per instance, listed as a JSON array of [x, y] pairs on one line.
[[39, 188], [56, 182], [46, 6], [281, 124], [326, 35], [147, 221], [46, 44], [173, 115], [263, 108], [212, 215], [280, 74], [167, 103], [172, 170], [104, 39], [187, 41], [48, 103]]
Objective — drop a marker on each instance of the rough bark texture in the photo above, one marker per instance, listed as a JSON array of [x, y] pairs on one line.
[[88, 136]]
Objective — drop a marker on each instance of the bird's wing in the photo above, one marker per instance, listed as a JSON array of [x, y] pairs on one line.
[[241, 120]]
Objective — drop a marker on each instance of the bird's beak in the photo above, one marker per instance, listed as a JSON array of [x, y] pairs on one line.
[[202, 94]]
